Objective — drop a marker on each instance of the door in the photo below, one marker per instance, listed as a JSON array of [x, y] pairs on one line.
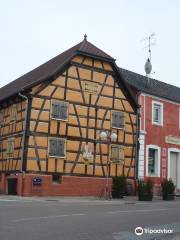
[[12, 186], [175, 168]]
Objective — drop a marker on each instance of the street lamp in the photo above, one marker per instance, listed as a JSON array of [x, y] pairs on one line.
[[108, 137]]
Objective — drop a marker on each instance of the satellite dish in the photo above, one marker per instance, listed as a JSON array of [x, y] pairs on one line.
[[148, 66]]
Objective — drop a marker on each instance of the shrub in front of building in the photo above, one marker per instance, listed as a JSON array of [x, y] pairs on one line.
[[119, 186]]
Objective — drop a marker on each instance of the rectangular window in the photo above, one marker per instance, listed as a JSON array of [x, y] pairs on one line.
[[157, 113], [10, 147], [118, 119], [117, 154], [57, 147], [59, 110], [153, 161], [13, 113]]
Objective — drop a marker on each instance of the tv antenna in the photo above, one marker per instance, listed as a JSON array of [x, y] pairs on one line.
[[151, 41]]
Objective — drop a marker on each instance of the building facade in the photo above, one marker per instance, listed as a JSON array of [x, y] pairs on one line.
[[159, 139], [51, 120]]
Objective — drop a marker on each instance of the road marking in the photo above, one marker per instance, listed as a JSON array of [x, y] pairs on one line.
[[8, 200], [16, 200], [140, 210], [48, 217]]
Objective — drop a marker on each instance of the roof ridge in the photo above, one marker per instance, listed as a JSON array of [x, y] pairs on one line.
[[153, 79]]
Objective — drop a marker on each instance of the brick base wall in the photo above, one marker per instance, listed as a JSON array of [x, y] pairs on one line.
[[69, 186]]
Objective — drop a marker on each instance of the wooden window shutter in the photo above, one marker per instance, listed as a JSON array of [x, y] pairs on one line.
[[52, 147], [63, 110], [118, 119], [55, 109], [59, 110], [121, 153], [60, 148], [121, 119], [57, 147]]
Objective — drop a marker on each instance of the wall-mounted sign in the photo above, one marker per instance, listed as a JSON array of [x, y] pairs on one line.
[[172, 140], [90, 87], [37, 181]]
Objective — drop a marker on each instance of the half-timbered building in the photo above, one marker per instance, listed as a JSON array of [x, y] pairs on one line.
[[50, 124]]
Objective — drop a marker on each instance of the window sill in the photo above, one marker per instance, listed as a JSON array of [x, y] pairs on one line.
[[153, 176], [123, 129], [59, 119], [56, 156], [157, 124]]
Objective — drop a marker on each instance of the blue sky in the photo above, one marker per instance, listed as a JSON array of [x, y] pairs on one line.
[[32, 32]]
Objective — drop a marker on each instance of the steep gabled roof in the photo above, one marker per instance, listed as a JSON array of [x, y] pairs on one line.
[[47, 69], [153, 87]]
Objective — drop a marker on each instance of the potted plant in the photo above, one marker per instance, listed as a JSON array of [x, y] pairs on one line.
[[168, 189], [119, 186], [145, 190]]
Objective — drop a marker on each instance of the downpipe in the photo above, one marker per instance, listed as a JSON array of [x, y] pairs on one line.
[[24, 136]]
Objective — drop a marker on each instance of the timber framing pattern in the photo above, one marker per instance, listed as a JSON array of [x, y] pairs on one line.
[[93, 87]]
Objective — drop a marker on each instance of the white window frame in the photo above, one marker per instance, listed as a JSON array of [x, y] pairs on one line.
[[65, 147], [158, 163], [60, 119], [162, 111]]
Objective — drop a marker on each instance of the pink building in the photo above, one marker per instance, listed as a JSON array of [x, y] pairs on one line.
[[159, 137]]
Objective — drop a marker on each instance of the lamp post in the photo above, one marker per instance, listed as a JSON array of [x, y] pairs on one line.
[[108, 137]]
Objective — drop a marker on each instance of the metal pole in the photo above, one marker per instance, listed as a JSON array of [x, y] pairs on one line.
[[107, 181], [107, 192]]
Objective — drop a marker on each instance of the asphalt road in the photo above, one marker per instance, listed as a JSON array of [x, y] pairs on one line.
[[78, 219]]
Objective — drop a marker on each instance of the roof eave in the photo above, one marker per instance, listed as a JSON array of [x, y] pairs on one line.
[[40, 80], [108, 59]]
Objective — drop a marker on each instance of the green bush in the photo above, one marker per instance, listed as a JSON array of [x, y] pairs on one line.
[[168, 186], [145, 187], [119, 186]]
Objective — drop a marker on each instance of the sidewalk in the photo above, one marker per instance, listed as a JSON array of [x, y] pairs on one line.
[[125, 200]]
